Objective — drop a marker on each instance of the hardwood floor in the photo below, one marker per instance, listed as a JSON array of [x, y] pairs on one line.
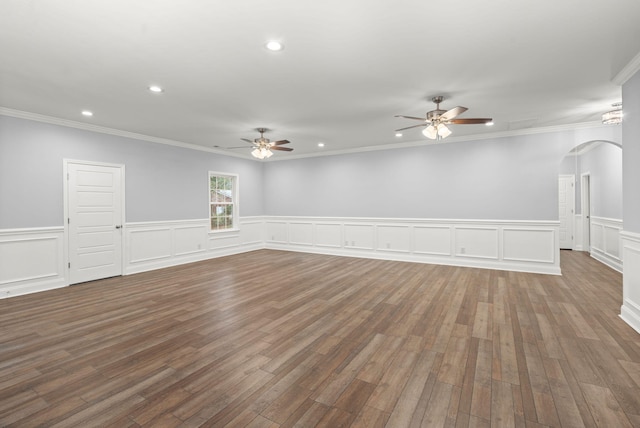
[[282, 339]]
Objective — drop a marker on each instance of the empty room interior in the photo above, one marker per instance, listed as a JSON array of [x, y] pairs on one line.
[[333, 214]]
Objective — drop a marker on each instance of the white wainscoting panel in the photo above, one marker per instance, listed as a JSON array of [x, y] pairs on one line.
[[148, 243], [630, 310], [359, 236], [433, 240], [578, 241], [35, 259], [252, 232], [277, 231], [477, 242], [394, 238], [31, 260], [222, 240], [301, 233], [155, 245], [328, 235], [526, 246], [190, 239], [606, 242]]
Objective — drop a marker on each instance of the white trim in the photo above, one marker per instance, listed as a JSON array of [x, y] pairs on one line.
[[157, 244], [236, 200], [110, 131], [520, 245], [65, 199], [571, 205], [453, 139], [35, 258], [630, 309], [486, 250], [606, 245], [585, 210], [628, 71]]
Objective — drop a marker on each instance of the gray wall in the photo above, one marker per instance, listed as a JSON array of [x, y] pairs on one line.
[[510, 178], [631, 153], [162, 182], [604, 165]]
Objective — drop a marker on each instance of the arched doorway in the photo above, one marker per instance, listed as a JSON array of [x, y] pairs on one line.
[[594, 217]]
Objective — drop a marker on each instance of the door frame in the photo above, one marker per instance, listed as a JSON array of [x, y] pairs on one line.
[[572, 206], [65, 198], [585, 209]]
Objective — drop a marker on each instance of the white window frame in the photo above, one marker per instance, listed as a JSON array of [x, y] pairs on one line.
[[235, 200]]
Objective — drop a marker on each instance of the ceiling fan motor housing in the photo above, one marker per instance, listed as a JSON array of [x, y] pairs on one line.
[[434, 114]]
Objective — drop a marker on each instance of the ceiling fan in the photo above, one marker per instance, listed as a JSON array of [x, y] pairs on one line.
[[262, 146], [437, 120]]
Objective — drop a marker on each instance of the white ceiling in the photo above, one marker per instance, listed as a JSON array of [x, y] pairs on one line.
[[347, 68]]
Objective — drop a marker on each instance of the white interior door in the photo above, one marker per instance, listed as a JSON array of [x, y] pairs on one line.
[[94, 220], [566, 205]]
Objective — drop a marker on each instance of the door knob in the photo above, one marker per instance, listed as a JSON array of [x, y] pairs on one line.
[[119, 226]]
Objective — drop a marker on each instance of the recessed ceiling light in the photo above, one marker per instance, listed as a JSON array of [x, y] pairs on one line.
[[155, 88], [87, 113], [274, 45], [489, 123], [320, 144], [398, 134]]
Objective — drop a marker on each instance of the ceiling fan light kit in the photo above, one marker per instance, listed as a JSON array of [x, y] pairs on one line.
[[262, 147], [436, 121]]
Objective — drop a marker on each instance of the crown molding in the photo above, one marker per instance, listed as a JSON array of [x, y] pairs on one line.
[[110, 131], [418, 143], [474, 137], [628, 71]]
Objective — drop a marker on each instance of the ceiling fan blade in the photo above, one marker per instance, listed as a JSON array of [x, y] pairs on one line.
[[470, 121], [284, 149], [247, 140], [411, 117], [277, 143], [450, 114], [414, 126]]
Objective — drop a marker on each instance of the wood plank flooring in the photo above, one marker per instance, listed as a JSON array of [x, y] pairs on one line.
[[283, 339]]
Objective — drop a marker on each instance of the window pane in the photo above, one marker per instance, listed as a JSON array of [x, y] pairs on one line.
[[221, 195]]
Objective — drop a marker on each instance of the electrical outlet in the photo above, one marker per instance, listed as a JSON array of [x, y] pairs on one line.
[[388, 245], [463, 250]]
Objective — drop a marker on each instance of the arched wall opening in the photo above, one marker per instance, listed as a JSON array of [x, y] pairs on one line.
[[590, 200]]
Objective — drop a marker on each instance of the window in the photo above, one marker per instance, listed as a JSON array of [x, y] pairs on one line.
[[223, 201]]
